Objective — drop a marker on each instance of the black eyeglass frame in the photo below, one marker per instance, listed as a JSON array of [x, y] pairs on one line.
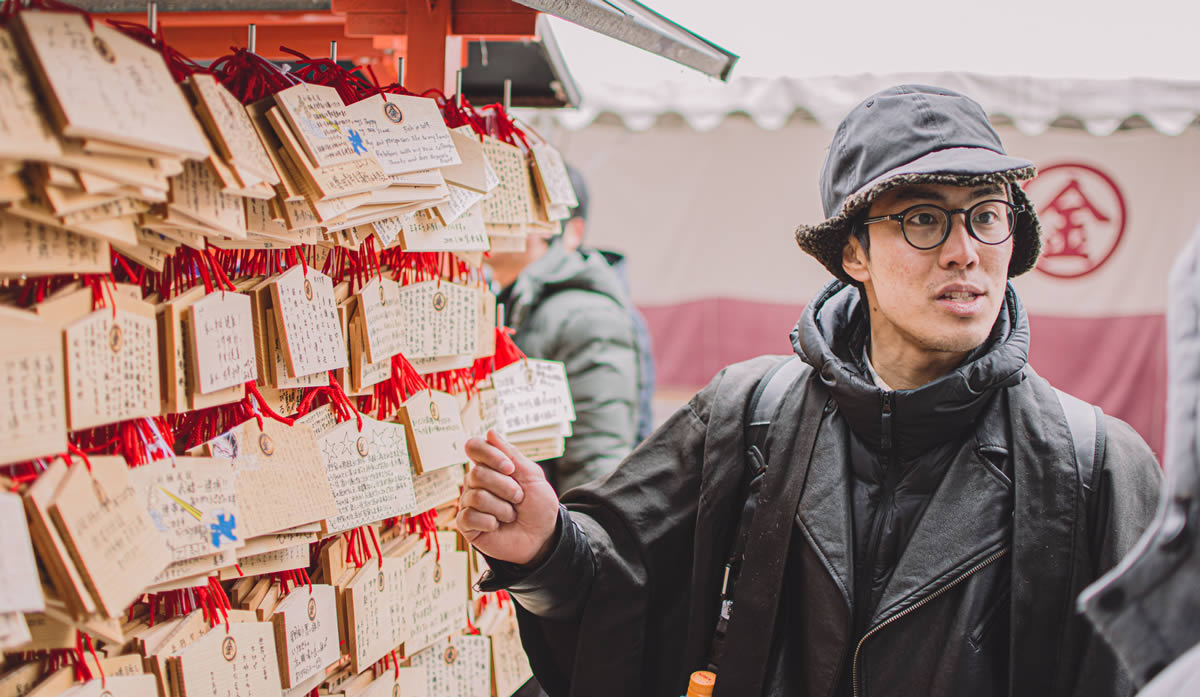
[[899, 217]]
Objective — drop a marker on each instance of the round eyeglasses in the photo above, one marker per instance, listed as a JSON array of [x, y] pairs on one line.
[[926, 226]]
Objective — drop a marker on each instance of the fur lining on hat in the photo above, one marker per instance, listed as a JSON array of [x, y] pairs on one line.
[[826, 240]]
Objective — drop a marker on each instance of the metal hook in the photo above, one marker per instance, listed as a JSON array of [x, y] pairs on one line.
[[253, 40], [507, 94], [333, 51]]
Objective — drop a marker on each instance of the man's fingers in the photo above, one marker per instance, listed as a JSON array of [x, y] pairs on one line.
[[486, 502], [470, 520], [523, 467], [481, 453], [501, 485]]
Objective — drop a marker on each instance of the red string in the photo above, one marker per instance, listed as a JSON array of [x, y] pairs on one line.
[[507, 352], [251, 77]]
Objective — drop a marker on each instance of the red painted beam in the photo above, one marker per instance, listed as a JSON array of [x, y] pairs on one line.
[[230, 19], [507, 24], [375, 24], [433, 55], [459, 7], [205, 43]]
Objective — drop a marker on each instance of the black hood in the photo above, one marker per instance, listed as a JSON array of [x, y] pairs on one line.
[[831, 335]]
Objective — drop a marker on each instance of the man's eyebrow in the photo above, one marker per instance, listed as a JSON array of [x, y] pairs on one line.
[[918, 193]]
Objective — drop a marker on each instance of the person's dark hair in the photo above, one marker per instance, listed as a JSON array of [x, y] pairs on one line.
[[581, 193], [862, 234]]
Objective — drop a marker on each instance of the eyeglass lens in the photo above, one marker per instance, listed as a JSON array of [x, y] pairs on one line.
[[926, 226]]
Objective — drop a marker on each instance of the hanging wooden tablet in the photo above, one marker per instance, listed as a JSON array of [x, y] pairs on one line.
[[306, 312], [230, 127], [240, 662], [112, 365], [110, 537], [20, 589], [443, 319], [513, 202], [364, 374], [368, 471], [554, 181], [197, 194], [472, 173], [185, 573], [438, 487], [319, 119], [510, 665], [222, 339], [423, 233], [433, 424], [460, 667], [376, 612], [405, 134], [436, 591], [306, 633], [276, 458], [31, 248], [402, 682], [52, 551], [285, 559], [485, 345], [24, 131], [31, 388], [192, 502], [383, 318], [116, 686], [105, 85], [532, 393]]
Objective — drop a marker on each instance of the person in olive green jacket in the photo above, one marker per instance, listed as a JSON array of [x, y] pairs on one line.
[[570, 306]]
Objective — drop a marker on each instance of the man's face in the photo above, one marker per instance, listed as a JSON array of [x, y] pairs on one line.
[[940, 300]]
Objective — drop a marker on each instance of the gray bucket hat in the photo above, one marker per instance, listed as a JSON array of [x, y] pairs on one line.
[[906, 135]]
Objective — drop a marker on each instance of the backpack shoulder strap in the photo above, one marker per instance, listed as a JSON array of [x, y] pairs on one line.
[[762, 408], [765, 401], [1086, 423]]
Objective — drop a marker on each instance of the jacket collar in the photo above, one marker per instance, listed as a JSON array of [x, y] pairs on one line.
[[830, 337]]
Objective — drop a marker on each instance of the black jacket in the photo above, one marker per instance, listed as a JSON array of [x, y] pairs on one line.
[[938, 547]]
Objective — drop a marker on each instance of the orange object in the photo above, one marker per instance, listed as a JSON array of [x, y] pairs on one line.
[[701, 683]]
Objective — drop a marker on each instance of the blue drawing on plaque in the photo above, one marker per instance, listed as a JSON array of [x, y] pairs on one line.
[[223, 527], [356, 142]]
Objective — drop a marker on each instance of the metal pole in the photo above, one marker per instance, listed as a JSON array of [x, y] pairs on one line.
[[333, 51], [400, 70], [458, 88], [152, 17], [507, 94], [253, 37]]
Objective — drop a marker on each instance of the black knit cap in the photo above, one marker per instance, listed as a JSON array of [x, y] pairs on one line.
[[906, 135]]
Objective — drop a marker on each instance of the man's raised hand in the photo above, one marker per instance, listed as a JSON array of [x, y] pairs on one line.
[[507, 510]]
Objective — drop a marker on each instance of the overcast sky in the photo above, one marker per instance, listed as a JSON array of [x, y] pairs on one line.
[[1049, 38]]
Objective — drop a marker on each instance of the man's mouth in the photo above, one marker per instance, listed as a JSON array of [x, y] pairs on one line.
[[959, 296], [962, 299]]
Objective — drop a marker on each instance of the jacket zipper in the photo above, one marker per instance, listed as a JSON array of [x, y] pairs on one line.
[[921, 603], [885, 423]]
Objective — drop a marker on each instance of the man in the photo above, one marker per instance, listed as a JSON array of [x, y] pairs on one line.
[[570, 306], [930, 507], [573, 235]]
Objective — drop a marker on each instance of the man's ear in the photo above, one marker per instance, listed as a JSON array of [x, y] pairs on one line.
[[854, 260], [572, 235]]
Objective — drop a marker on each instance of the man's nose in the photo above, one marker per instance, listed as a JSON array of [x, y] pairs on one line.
[[960, 248]]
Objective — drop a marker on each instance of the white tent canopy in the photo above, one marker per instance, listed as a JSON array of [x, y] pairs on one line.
[[1100, 65]]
